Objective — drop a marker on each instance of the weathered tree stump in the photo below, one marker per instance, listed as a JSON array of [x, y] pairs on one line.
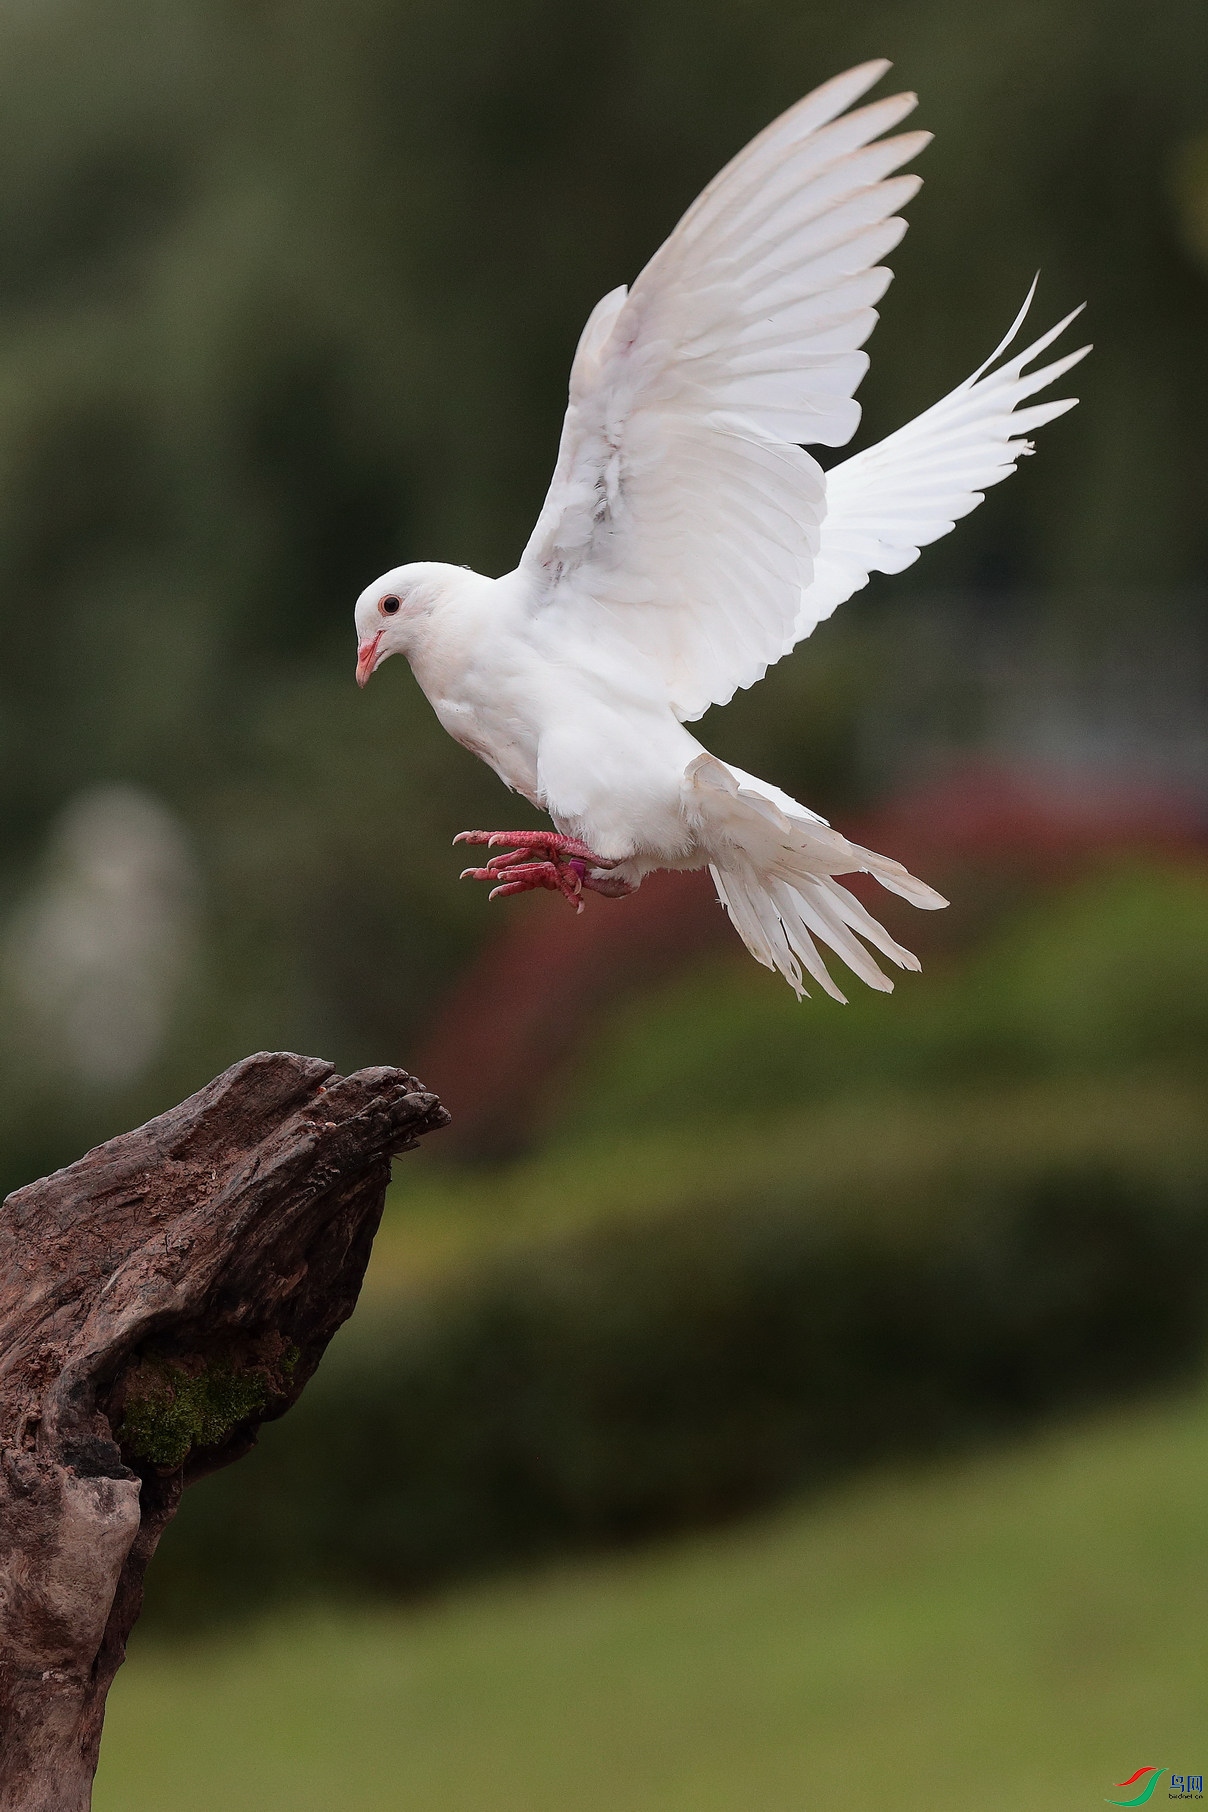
[[159, 1299]]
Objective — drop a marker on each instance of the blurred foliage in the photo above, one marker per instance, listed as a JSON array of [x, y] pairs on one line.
[[1189, 193], [648, 1374], [1109, 976], [288, 292], [823, 1236]]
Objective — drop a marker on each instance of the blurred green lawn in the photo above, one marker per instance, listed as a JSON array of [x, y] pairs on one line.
[[1019, 1631]]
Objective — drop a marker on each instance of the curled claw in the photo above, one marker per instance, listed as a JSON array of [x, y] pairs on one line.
[[524, 876], [539, 874], [541, 859]]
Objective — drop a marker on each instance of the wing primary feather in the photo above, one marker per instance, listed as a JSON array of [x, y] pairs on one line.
[[888, 502], [685, 521]]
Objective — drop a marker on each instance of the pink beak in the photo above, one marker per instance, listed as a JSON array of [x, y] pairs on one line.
[[367, 658]]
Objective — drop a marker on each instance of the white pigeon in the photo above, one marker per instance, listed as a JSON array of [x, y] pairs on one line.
[[688, 541]]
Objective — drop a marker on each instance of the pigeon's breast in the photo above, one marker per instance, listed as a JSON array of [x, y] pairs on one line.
[[485, 689], [497, 736]]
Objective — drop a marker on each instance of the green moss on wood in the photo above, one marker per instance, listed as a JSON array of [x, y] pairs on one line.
[[170, 1410]]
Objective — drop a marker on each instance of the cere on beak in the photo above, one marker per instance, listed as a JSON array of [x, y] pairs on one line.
[[367, 658]]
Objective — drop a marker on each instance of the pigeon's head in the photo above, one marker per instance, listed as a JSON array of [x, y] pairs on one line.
[[391, 612]]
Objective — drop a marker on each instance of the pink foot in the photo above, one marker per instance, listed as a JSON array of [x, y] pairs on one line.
[[542, 859]]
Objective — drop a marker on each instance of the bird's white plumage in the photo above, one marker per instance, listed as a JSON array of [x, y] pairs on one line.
[[684, 513], [688, 540], [888, 503]]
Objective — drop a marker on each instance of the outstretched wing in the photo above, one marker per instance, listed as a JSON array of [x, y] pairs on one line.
[[684, 515], [890, 501]]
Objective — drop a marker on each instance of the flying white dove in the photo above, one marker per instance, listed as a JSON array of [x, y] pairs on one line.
[[688, 541]]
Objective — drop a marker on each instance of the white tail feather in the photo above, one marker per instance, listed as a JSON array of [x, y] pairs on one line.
[[774, 867]]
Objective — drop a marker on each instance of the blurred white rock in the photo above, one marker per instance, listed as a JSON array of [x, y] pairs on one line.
[[98, 951]]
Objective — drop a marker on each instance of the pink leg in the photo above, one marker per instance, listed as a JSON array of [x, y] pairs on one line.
[[542, 859]]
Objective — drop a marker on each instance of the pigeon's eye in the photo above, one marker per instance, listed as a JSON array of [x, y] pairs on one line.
[[390, 605]]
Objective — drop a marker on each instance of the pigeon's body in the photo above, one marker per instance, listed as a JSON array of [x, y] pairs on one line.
[[593, 743], [689, 541]]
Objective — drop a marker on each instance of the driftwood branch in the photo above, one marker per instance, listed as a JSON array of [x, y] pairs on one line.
[[158, 1301]]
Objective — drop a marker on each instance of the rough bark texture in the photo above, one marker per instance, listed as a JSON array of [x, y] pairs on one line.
[[159, 1299]]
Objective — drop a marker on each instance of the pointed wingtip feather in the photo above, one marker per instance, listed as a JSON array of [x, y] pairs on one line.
[[860, 77], [1007, 338], [825, 103]]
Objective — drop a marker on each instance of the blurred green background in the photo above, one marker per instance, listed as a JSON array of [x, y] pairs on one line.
[[751, 1405]]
